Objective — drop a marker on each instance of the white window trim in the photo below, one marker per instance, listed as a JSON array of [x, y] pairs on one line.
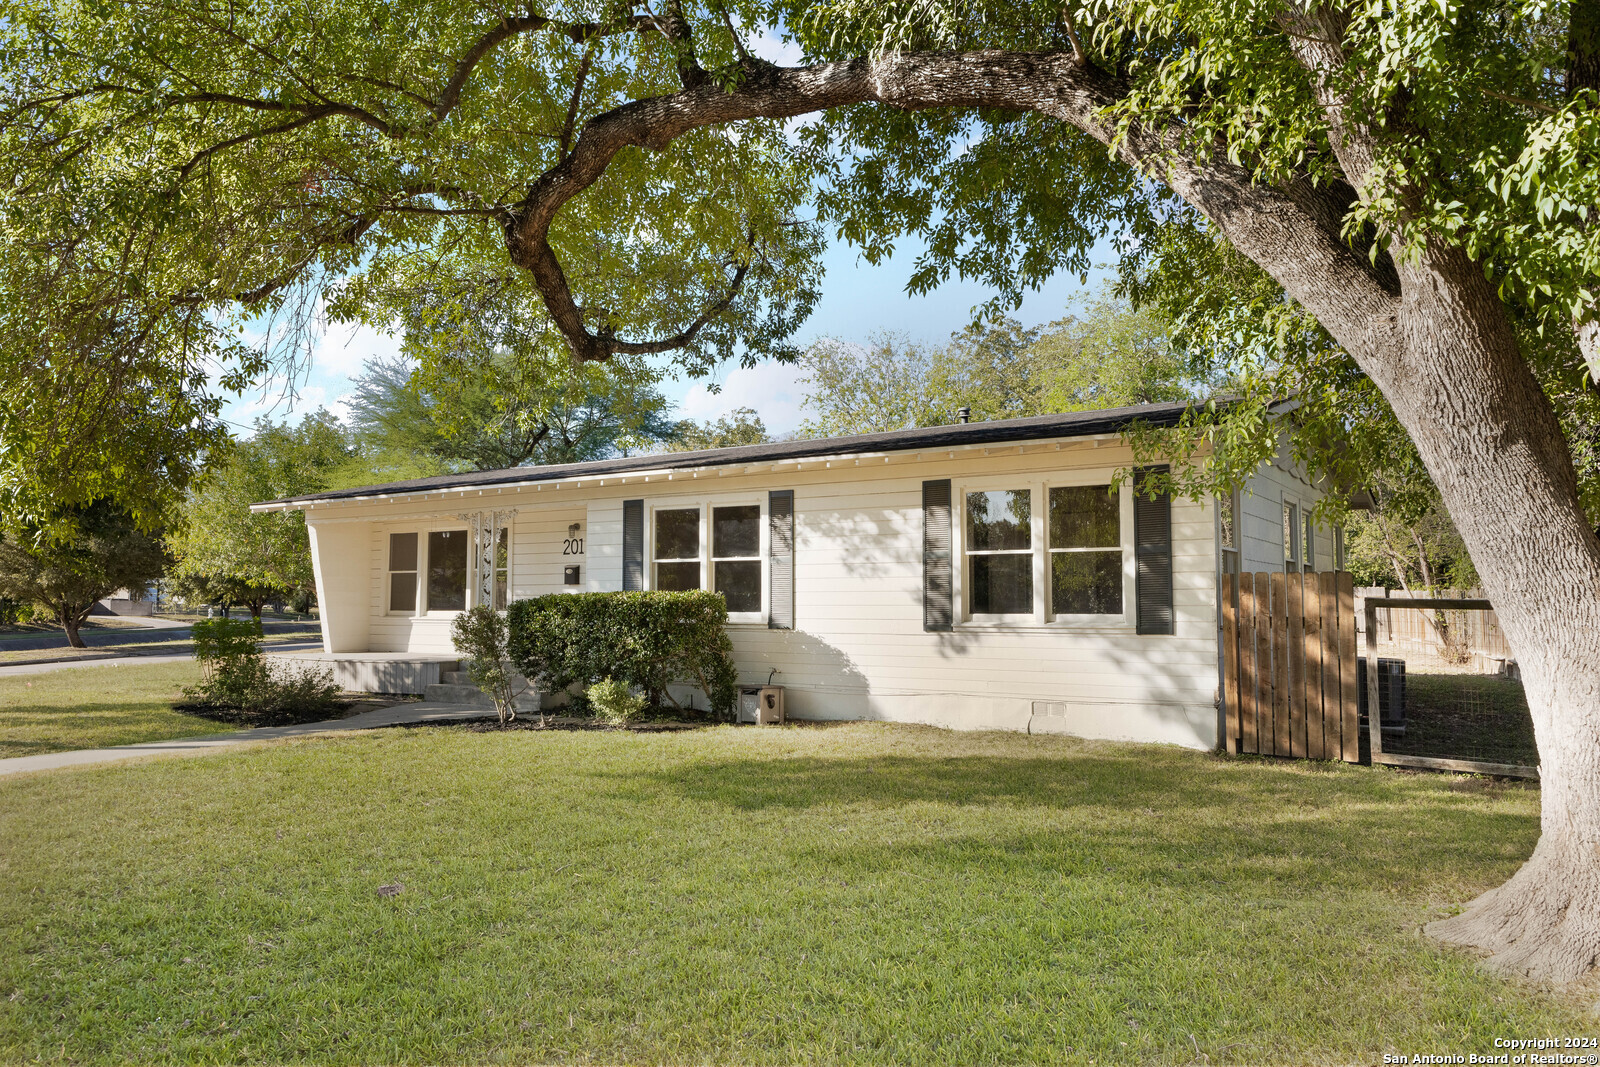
[[707, 575], [1042, 617]]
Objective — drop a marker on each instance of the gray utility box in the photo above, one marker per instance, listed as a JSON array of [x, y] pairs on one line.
[[1391, 692], [761, 704]]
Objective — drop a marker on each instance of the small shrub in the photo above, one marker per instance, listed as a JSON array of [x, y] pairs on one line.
[[647, 640], [480, 637], [614, 703], [233, 674]]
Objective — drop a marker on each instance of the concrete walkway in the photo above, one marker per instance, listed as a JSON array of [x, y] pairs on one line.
[[198, 746]]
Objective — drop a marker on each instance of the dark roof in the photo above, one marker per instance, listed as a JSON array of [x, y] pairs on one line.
[[1040, 427]]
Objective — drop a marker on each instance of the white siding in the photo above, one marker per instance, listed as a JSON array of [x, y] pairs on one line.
[[1261, 506], [858, 649]]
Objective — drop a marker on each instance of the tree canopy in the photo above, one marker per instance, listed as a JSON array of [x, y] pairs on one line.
[[1110, 356], [105, 552], [221, 549], [497, 413]]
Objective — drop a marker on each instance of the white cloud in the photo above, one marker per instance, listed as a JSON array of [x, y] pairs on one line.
[[768, 44], [772, 389]]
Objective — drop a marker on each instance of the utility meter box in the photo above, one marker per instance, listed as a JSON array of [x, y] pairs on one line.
[[761, 704]]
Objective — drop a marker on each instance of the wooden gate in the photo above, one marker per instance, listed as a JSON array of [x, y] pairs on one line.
[[1289, 665]]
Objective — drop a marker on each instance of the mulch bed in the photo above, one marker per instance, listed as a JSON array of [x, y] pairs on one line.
[[348, 704], [491, 724]]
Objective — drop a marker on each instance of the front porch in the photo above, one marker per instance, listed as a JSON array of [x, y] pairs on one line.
[[397, 673]]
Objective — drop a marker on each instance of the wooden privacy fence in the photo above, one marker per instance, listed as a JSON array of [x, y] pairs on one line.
[[1289, 665]]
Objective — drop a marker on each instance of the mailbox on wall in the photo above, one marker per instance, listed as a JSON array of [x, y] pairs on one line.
[[573, 574]]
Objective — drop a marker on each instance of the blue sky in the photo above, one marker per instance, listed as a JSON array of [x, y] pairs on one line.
[[858, 300]]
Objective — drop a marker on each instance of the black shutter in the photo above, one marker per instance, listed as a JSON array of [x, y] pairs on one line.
[[780, 559], [632, 544], [937, 610], [1152, 540]]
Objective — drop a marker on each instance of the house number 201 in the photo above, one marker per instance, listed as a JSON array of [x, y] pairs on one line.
[[573, 545]]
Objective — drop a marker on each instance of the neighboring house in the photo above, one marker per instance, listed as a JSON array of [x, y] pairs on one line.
[[976, 576], [126, 602]]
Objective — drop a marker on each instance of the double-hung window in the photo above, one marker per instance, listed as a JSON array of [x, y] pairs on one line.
[[432, 567], [1309, 552], [1085, 550], [1045, 553], [716, 547], [736, 556], [677, 549], [403, 573], [999, 550]]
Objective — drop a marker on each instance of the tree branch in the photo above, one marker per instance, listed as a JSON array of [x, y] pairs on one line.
[[1292, 231]]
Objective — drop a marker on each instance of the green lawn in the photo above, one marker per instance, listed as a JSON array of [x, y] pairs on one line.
[[863, 893], [94, 707]]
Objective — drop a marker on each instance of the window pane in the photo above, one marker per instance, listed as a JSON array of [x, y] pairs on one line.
[[500, 593], [678, 536], [403, 590], [502, 550], [403, 552], [677, 576], [1086, 583], [740, 582], [736, 531], [1002, 585], [1225, 521], [1311, 544], [447, 570], [999, 520], [1085, 516]]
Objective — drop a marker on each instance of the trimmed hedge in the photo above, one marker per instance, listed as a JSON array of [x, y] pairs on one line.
[[648, 640]]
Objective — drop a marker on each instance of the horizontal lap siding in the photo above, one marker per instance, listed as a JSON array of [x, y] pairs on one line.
[[858, 648]]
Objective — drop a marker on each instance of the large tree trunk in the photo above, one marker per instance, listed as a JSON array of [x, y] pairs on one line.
[[1490, 438], [70, 621]]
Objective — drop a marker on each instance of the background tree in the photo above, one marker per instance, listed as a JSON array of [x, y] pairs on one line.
[[1417, 179], [227, 554], [1112, 357], [500, 413], [107, 552], [741, 426]]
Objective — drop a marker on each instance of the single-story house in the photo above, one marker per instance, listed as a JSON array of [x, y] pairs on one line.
[[975, 576]]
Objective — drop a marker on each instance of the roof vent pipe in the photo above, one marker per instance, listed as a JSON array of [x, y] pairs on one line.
[[963, 414]]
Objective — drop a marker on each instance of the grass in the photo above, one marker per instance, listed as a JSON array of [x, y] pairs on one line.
[[96, 707], [856, 894]]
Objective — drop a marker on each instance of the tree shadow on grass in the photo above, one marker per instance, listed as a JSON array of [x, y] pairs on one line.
[[37, 729], [1244, 825]]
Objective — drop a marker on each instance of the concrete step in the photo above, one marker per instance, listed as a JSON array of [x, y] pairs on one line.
[[448, 693], [456, 678]]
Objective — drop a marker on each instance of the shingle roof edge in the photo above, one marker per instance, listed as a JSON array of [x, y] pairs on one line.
[[1039, 427]]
